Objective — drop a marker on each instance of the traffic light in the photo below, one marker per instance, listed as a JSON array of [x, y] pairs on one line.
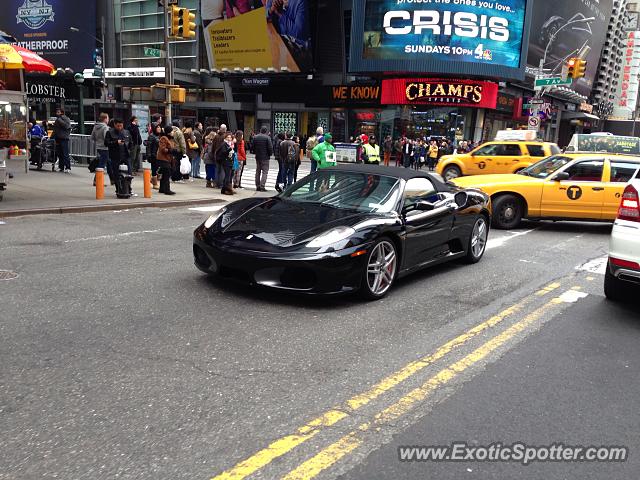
[[581, 68], [177, 21], [189, 25], [572, 65]]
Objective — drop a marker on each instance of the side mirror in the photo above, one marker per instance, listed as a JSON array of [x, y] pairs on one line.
[[461, 199], [562, 176]]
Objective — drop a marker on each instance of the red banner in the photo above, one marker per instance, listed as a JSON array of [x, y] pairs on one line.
[[440, 92]]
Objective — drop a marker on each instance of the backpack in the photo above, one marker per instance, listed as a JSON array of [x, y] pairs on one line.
[[291, 154], [311, 144]]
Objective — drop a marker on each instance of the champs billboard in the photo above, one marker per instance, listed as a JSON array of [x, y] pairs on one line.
[[43, 27], [266, 34], [472, 37], [561, 28]]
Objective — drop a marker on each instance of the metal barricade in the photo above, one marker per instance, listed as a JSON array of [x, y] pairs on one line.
[[81, 148]]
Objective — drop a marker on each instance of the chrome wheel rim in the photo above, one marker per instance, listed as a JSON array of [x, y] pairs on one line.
[[479, 237], [381, 268], [451, 174]]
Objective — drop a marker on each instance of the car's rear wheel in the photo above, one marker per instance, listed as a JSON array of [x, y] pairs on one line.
[[478, 240], [380, 269], [507, 212], [450, 172], [615, 289]]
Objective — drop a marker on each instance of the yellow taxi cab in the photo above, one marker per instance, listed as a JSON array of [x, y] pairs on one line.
[[569, 186], [507, 154]]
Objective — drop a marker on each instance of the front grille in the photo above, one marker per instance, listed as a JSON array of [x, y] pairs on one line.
[[202, 259], [296, 277]]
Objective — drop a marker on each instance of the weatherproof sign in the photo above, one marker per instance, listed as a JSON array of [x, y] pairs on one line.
[[474, 36]]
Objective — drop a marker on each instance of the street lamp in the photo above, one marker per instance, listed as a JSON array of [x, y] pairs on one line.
[[79, 79], [104, 53]]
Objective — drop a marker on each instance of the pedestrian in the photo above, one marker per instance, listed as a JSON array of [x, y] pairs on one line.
[[311, 143], [325, 153], [61, 134], [432, 155], [198, 133], [118, 141], [210, 157], [289, 153], [217, 143], [167, 149], [98, 134], [156, 119], [397, 150], [371, 152], [242, 159], [263, 149], [225, 156], [153, 143], [387, 148], [181, 144], [279, 138], [296, 140], [192, 146], [135, 153], [407, 153]]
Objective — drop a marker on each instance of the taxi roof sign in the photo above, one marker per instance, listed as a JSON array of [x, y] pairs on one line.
[[516, 135], [588, 143]]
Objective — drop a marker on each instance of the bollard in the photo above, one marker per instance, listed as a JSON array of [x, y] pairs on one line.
[[99, 183], [146, 179]]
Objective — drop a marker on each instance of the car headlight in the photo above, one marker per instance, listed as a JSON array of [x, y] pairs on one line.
[[332, 236], [213, 218]]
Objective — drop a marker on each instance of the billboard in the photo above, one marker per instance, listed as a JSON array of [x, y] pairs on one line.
[[561, 28], [43, 27], [265, 34], [439, 92], [484, 38]]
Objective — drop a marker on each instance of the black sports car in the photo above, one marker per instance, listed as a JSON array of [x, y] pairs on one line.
[[346, 228]]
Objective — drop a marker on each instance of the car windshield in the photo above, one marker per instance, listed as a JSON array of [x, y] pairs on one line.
[[546, 167], [348, 190]]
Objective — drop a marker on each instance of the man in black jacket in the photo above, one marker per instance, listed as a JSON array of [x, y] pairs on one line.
[[61, 133], [263, 149], [118, 141], [136, 142]]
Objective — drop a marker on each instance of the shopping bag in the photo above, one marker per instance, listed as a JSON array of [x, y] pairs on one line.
[[185, 165]]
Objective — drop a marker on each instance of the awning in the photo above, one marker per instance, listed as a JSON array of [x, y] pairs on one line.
[[579, 115]]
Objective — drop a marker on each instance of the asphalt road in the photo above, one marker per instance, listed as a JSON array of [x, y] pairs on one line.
[[118, 359]]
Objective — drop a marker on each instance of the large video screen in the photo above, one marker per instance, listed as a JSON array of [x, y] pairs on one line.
[[266, 34], [43, 26], [459, 37], [560, 29]]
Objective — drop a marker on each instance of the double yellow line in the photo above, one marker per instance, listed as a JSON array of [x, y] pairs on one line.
[[351, 441]]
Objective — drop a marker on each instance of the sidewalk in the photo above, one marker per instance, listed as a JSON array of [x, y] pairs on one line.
[[45, 192]]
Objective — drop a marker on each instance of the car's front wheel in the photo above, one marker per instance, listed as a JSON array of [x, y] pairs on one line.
[[450, 172], [380, 269], [478, 240], [508, 211]]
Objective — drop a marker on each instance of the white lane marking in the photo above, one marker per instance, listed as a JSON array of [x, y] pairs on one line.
[[2, 223], [116, 236], [572, 296], [501, 241], [597, 265], [209, 208]]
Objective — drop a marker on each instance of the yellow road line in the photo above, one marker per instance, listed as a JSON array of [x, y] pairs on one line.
[[285, 444], [334, 452]]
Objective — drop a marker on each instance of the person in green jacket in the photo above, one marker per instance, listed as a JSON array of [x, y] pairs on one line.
[[319, 152]]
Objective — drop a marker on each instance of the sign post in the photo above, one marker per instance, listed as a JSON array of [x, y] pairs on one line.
[[550, 82]]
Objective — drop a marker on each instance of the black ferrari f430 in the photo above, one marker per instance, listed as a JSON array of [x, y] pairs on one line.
[[342, 229]]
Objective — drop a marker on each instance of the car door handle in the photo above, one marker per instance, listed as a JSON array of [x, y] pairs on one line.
[[597, 189], [563, 188]]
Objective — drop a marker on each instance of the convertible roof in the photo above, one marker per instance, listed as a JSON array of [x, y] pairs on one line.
[[397, 172]]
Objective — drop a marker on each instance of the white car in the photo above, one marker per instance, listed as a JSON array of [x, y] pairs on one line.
[[622, 278]]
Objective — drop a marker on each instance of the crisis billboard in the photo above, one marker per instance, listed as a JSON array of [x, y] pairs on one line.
[[265, 34], [474, 37], [560, 29], [43, 26]]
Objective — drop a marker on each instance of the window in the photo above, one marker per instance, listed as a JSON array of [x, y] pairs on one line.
[[419, 189], [536, 150], [508, 150], [622, 172], [485, 151], [590, 171]]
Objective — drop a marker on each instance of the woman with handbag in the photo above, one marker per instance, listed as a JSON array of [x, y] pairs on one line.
[[242, 159], [153, 142], [167, 149], [226, 156]]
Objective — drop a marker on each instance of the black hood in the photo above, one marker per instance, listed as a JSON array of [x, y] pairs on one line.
[[282, 223]]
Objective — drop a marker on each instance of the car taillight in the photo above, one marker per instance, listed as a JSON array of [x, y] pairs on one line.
[[624, 263], [630, 205]]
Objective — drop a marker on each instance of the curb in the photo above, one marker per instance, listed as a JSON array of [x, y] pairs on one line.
[[108, 207]]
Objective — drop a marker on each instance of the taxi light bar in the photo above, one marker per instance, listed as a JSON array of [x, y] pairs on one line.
[[624, 263], [630, 205]]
